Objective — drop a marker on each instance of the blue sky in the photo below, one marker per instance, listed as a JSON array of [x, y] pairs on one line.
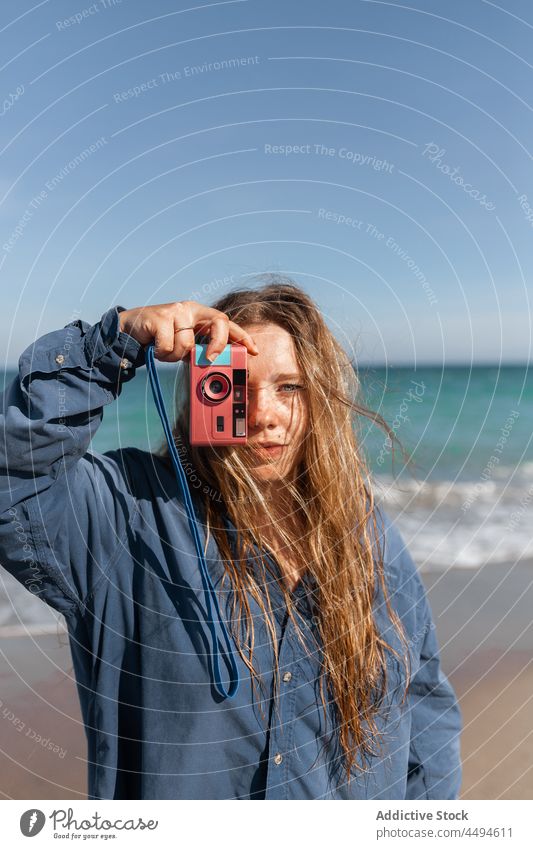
[[377, 152]]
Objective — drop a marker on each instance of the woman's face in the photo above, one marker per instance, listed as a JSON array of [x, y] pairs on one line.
[[277, 406]]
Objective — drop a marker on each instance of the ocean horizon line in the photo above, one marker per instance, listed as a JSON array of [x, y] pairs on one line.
[[13, 367]]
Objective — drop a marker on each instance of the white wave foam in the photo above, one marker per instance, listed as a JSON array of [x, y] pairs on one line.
[[463, 524]]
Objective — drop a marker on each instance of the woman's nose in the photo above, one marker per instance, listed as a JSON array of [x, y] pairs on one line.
[[261, 410]]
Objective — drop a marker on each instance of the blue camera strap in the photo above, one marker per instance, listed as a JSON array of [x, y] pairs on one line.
[[209, 590]]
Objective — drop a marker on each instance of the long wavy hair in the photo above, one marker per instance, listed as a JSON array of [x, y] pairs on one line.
[[337, 536]]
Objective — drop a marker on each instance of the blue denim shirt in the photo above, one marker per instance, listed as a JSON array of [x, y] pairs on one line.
[[104, 539]]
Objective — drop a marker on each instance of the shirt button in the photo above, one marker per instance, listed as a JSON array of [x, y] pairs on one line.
[[278, 758], [287, 677], [60, 359], [124, 363]]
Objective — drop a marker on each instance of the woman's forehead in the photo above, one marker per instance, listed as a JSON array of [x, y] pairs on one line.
[[276, 356], [272, 335]]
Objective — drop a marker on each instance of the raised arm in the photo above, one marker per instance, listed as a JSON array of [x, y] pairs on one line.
[[52, 495], [64, 513]]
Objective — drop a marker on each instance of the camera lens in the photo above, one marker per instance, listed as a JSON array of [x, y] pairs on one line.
[[216, 387]]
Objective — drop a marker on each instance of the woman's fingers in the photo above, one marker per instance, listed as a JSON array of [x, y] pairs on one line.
[[184, 342], [219, 336], [221, 331], [224, 331], [163, 340], [237, 334], [172, 328]]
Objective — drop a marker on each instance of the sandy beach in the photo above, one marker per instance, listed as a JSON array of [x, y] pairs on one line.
[[42, 738], [484, 623]]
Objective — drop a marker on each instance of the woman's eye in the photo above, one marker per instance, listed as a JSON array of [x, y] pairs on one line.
[[291, 386]]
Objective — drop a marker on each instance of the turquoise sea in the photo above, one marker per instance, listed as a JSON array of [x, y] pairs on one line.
[[457, 506], [469, 499]]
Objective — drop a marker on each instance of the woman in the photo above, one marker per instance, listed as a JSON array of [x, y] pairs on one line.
[[341, 692]]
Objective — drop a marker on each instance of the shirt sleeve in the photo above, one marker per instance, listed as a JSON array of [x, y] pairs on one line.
[[434, 767], [63, 511]]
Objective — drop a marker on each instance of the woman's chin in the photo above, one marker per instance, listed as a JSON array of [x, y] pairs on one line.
[[267, 473]]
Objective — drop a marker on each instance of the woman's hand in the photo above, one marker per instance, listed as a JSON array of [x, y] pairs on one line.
[[160, 324]]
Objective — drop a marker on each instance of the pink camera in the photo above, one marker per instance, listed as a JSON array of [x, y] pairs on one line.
[[218, 414]]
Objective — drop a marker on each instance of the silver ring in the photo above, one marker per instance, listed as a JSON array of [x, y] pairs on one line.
[[183, 328]]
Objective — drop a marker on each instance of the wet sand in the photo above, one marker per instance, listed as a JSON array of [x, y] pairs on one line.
[[42, 738], [484, 622]]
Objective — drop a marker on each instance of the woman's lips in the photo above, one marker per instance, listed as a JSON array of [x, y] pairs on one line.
[[271, 450]]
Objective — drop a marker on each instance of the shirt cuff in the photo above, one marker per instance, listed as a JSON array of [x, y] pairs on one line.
[[105, 339]]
